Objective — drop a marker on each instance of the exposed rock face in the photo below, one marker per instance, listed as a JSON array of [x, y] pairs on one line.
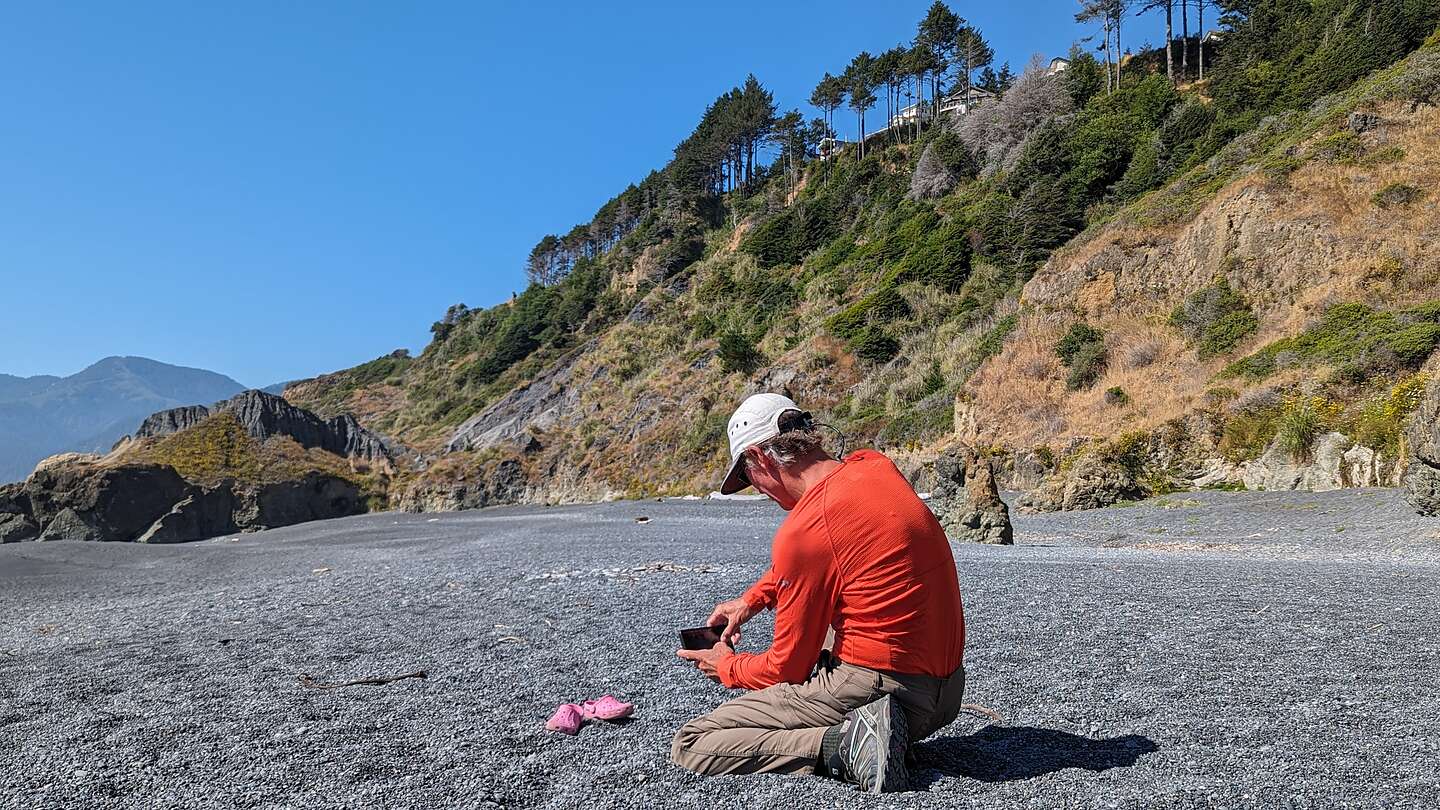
[[539, 405], [1422, 436], [81, 499], [1091, 482], [1333, 462], [314, 497], [265, 415], [207, 513], [91, 502], [966, 501], [16, 523], [504, 483], [174, 420]]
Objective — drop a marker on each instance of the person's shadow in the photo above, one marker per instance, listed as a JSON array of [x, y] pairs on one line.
[[1013, 753]]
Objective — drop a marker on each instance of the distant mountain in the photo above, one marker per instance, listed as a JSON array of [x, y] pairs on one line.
[[279, 388], [90, 410]]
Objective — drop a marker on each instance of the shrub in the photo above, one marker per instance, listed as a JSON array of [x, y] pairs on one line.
[[1341, 148], [738, 352], [1142, 354], [1086, 367], [873, 344], [992, 342], [1380, 421], [939, 257], [1379, 157], [1396, 195], [1115, 395], [1082, 350], [1355, 338], [1076, 339], [1215, 319], [1278, 168], [885, 304], [1301, 421], [1247, 434]]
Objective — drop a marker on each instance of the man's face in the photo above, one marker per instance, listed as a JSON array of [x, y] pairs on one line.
[[768, 478]]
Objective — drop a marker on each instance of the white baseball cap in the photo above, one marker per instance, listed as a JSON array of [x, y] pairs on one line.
[[756, 420]]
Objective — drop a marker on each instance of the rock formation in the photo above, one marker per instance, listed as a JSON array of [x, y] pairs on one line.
[[1091, 481], [121, 498], [966, 501], [1332, 462], [83, 498], [266, 415], [1422, 437]]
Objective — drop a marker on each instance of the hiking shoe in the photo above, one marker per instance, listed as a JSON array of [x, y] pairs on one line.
[[873, 747]]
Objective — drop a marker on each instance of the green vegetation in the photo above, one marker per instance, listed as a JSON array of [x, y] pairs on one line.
[[1214, 319], [219, 448], [1358, 340], [1299, 423], [1397, 195], [1082, 350], [1380, 420], [765, 241], [992, 342]]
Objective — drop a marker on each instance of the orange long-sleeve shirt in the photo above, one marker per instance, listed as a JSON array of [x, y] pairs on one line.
[[861, 553]]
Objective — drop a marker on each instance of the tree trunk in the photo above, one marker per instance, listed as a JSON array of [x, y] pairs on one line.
[[860, 136], [1108, 72], [1185, 39], [1170, 39], [1200, 23], [1119, 53]]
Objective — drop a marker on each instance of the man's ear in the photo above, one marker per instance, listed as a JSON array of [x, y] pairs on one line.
[[755, 457]]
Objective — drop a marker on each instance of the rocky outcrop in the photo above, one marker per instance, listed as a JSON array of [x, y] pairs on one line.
[[314, 497], [539, 405], [966, 501], [89, 501], [503, 483], [1332, 462], [265, 415], [16, 521], [1422, 438], [81, 498], [1091, 481], [174, 420]]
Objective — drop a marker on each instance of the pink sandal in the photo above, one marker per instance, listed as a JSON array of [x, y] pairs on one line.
[[566, 719], [606, 708]]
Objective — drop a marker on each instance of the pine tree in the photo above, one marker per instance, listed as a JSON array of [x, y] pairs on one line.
[[937, 35], [1169, 8], [860, 81], [972, 53]]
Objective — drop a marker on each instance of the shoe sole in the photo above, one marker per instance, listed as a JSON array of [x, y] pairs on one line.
[[894, 730]]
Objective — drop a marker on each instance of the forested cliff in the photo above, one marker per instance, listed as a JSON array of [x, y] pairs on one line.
[[1118, 268]]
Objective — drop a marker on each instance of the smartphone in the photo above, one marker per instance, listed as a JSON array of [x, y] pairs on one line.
[[701, 638]]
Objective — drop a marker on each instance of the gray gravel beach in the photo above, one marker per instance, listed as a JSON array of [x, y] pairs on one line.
[[1199, 650]]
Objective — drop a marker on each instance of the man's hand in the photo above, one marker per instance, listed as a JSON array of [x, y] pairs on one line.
[[707, 661], [733, 613]]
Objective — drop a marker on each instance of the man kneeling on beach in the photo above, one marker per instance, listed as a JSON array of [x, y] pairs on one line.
[[869, 630]]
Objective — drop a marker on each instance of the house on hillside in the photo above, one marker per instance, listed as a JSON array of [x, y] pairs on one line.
[[961, 102], [830, 147], [958, 103]]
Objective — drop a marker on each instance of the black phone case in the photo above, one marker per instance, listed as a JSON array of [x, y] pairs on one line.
[[700, 638]]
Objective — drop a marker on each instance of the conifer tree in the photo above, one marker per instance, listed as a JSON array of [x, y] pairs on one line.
[[860, 81]]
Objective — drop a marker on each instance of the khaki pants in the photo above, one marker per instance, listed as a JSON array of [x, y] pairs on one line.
[[778, 729]]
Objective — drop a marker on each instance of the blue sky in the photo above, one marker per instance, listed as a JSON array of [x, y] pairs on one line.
[[274, 190]]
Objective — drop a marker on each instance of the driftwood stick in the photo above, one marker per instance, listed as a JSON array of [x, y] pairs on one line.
[[306, 680], [981, 711]]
